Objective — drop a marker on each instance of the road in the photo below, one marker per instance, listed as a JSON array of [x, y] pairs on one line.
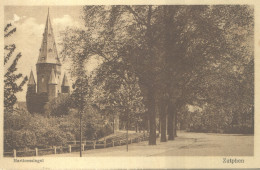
[[186, 144]]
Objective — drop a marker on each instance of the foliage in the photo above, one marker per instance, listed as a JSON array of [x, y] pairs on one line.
[[206, 59], [119, 99], [25, 130], [11, 87], [93, 124], [19, 139], [59, 106], [16, 120], [215, 120]]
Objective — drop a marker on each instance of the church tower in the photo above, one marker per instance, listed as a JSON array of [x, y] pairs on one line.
[[31, 86], [65, 88], [31, 94], [48, 60], [52, 86], [48, 70]]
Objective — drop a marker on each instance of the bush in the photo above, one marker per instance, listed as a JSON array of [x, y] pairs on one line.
[[19, 139], [16, 120], [59, 106], [24, 130], [48, 131], [104, 131], [93, 125], [215, 120]]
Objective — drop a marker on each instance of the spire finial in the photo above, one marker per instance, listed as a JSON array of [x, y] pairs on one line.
[[48, 50]]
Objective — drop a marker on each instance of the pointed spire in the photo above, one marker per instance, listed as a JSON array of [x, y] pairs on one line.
[[31, 79], [65, 81], [48, 50], [52, 79]]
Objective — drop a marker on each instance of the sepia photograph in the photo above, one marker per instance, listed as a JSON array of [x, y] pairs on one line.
[[106, 81]]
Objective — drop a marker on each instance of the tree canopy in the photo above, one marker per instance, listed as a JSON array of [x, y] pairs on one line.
[[182, 55], [11, 77]]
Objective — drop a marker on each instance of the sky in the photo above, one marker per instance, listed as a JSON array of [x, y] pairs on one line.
[[30, 23]]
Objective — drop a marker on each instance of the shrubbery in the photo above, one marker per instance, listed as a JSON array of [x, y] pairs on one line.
[[93, 125], [19, 139], [59, 106], [24, 130], [215, 120]]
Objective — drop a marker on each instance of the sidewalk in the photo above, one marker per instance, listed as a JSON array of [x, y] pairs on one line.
[[186, 144]]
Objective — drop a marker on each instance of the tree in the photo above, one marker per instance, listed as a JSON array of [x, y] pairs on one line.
[[117, 37], [221, 82], [11, 87], [116, 95], [74, 49], [177, 58], [203, 46]]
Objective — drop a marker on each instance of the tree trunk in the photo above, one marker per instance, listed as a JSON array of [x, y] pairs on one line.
[[127, 126], [163, 130], [152, 118], [171, 122], [159, 129], [163, 123], [175, 124], [169, 125], [148, 124], [113, 124], [152, 133]]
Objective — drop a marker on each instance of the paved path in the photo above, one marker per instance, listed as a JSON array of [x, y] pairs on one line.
[[186, 144]]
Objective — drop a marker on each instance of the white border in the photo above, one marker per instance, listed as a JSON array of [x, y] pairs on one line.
[[136, 162]]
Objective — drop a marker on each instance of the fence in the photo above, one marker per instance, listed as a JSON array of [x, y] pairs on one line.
[[73, 146]]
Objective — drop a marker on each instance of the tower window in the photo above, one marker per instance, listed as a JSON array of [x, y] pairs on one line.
[[42, 79], [43, 58], [50, 50]]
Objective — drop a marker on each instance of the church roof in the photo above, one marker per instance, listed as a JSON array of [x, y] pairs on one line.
[[31, 79], [52, 79], [65, 81], [48, 50]]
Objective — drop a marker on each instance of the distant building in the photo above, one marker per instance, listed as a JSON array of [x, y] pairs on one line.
[[48, 67]]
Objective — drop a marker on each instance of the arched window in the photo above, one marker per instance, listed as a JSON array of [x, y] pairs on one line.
[[50, 50], [42, 79]]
